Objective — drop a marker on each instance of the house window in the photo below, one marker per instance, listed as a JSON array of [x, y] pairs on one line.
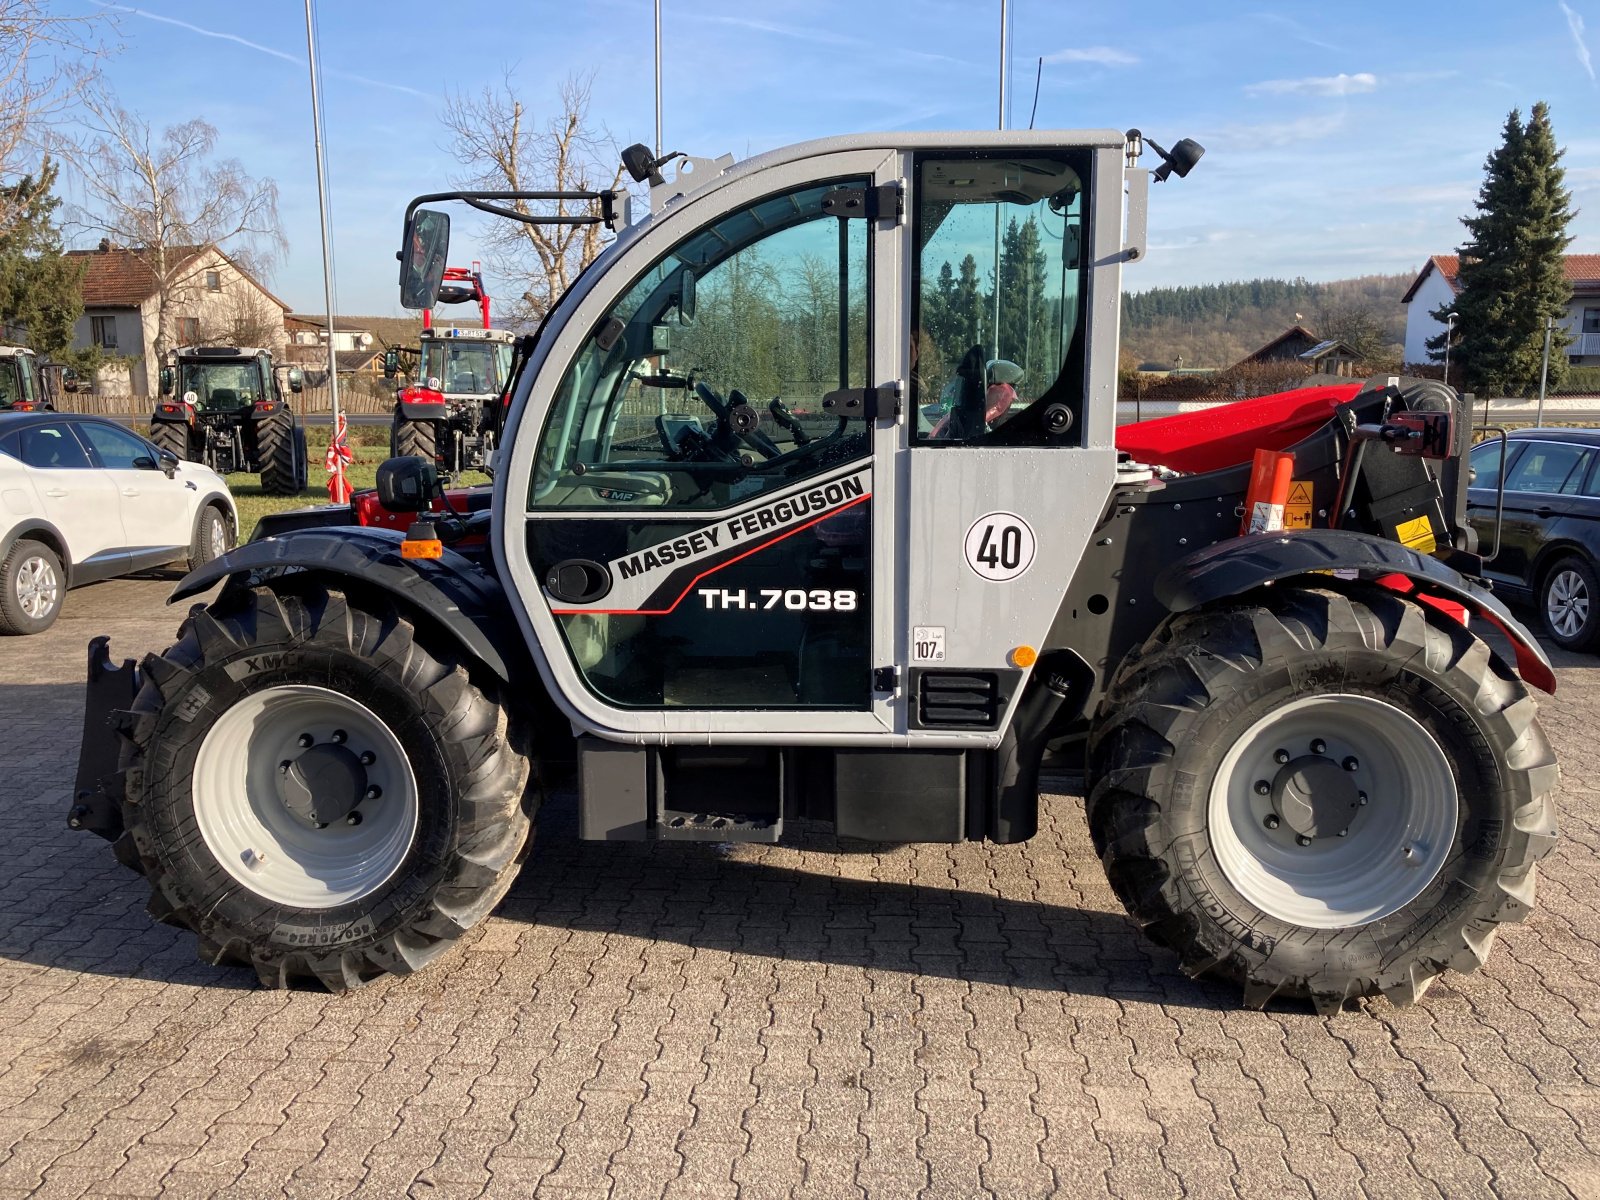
[[103, 332], [1591, 320], [188, 330], [213, 281]]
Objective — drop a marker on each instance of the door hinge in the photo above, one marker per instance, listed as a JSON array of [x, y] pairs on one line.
[[886, 679], [884, 203], [866, 404]]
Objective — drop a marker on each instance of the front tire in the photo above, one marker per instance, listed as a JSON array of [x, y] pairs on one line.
[[1321, 796], [316, 791], [1569, 603], [213, 537], [32, 587]]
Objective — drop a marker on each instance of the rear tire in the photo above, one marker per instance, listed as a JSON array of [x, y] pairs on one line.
[[1263, 888], [302, 462], [414, 437], [32, 588], [305, 893], [1569, 603], [172, 437], [275, 451]]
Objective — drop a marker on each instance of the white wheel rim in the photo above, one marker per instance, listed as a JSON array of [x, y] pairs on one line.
[[266, 846], [38, 589], [1309, 873], [1567, 602]]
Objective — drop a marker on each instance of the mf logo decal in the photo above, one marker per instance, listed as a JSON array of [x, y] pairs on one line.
[[1000, 546]]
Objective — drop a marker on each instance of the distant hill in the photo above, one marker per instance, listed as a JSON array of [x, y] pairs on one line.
[[1217, 324]]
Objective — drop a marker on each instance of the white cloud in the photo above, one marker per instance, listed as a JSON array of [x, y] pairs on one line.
[[1575, 27], [1317, 85], [1104, 56]]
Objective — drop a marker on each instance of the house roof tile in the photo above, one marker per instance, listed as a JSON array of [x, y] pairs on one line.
[[1582, 271]]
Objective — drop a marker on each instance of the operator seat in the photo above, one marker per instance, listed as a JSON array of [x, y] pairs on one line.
[[223, 398]]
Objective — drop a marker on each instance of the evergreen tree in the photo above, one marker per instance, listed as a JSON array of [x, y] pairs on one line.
[[1512, 278], [40, 288]]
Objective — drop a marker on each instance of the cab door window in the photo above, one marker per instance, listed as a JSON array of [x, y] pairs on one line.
[[703, 385], [999, 319]]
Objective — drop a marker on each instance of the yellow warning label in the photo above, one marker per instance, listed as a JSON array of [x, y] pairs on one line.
[[1297, 516], [1300, 492], [1417, 533]]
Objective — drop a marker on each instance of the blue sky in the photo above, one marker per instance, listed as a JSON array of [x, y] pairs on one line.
[[1336, 145]]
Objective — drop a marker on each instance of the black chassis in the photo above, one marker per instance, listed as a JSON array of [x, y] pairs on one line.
[[1112, 606]]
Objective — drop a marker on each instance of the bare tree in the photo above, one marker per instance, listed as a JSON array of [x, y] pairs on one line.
[[503, 147], [45, 58], [240, 316], [165, 197]]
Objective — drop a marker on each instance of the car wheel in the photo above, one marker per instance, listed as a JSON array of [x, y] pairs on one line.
[[32, 586], [213, 537], [1569, 602]]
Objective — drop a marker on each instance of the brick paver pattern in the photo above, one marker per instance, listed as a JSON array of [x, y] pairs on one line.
[[827, 1020]]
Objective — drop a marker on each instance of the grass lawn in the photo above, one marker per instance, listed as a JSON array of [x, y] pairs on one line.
[[371, 446]]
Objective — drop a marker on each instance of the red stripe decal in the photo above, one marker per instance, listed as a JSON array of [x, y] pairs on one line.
[[661, 612]]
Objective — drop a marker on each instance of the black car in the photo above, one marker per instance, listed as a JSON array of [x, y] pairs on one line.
[[1549, 535]]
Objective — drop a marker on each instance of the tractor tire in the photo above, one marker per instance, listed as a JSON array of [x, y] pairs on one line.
[[213, 537], [302, 461], [32, 588], [414, 437], [275, 451], [317, 790], [1321, 795], [172, 437]]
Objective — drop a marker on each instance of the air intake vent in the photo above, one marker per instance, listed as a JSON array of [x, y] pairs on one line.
[[958, 699]]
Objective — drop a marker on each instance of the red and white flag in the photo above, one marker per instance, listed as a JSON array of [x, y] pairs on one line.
[[338, 455]]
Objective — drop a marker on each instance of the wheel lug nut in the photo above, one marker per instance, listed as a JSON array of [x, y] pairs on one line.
[[306, 740], [368, 758], [1272, 821], [1361, 798], [1263, 787], [285, 765], [1352, 763], [1344, 833], [353, 819], [374, 792], [1302, 840], [340, 737], [322, 824], [1318, 746], [1280, 757]]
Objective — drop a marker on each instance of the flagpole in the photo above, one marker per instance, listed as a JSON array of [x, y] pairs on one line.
[[327, 245]]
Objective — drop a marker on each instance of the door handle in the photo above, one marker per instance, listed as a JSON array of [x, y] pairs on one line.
[[56, 493], [1544, 510], [130, 492]]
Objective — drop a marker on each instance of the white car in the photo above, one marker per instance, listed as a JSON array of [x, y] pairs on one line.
[[83, 499]]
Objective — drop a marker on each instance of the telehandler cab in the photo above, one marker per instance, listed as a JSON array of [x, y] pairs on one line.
[[771, 541]]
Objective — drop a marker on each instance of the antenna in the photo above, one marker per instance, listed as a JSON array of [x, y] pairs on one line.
[[1038, 76], [1005, 48], [658, 78]]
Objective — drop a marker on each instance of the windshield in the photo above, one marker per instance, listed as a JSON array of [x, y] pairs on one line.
[[222, 385], [466, 367]]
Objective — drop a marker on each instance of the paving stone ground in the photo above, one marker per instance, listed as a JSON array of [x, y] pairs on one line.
[[821, 1021]]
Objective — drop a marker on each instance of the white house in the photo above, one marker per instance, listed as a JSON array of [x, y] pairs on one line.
[[211, 299], [1436, 286]]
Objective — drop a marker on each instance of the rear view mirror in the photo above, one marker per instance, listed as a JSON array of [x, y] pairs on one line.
[[423, 251], [391, 362], [685, 296], [297, 379], [169, 463], [407, 484], [166, 381]]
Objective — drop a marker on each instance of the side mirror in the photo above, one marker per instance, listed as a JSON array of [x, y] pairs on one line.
[[297, 379], [146, 462], [169, 463], [686, 302], [407, 484], [391, 362], [423, 251], [166, 381]]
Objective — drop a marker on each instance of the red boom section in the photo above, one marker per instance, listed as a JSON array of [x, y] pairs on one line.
[[1229, 434]]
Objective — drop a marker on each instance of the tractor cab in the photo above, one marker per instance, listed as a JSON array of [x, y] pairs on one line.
[[22, 381]]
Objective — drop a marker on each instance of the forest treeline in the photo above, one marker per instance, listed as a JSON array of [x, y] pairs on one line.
[[1217, 324]]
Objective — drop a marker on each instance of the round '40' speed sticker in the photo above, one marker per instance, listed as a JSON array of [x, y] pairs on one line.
[[1000, 546]]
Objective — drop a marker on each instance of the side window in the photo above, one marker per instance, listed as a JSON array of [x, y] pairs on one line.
[[1549, 467], [1485, 462], [703, 386], [11, 446], [998, 323], [51, 447], [117, 449]]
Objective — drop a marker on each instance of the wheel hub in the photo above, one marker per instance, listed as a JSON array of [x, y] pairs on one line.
[[1315, 796], [323, 785]]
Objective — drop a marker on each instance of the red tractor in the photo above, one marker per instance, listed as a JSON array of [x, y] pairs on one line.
[[450, 411]]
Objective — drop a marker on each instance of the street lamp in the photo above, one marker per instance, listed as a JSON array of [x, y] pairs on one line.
[[1449, 333]]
